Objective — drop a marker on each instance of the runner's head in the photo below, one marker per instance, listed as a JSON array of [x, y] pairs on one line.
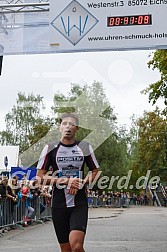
[[69, 115], [68, 126]]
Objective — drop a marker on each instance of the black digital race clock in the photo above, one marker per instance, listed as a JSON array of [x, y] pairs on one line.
[[129, 20]]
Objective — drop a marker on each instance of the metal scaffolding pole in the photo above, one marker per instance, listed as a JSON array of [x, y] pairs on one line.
[[24, 7], [18, 7]]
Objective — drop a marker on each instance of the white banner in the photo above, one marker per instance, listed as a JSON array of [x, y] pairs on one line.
[[107, 25], [71, 25]]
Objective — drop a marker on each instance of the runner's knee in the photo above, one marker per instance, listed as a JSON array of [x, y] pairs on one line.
[[77, 247]]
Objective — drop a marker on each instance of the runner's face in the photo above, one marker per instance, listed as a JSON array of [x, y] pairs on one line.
[[68, 128]]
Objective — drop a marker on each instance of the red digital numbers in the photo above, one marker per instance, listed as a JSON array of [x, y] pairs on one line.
[[111, 21], [147, 19], [129, 20]]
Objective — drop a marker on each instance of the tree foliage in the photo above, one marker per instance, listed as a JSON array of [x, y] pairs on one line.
[[20, 121], [158, 89], [151, 147]]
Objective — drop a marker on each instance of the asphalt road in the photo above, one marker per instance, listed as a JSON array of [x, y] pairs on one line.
[[136, 229]]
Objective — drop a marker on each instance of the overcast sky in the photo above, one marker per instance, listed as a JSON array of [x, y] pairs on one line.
[[124, 74]]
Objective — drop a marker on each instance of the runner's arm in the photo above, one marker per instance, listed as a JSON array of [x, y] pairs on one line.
[[45, 178]]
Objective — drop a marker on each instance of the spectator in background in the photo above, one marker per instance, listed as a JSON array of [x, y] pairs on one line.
[[146, 200], [37, 192], [12, 190], [154, 199], [3, 193], [47, 196], [24, 180], [27, 197], [3, 187]]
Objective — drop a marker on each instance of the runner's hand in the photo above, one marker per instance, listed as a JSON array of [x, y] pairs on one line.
[[75, 183], [72, 191]]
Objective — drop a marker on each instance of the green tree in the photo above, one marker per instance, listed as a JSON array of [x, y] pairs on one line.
[[133, 143], [158, 89], [21, 120], [152, 144], [40, 135]]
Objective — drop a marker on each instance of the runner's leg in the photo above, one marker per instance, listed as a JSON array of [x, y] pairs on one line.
[[65, 247], [78, 225], [61, 222], [76, 239]]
